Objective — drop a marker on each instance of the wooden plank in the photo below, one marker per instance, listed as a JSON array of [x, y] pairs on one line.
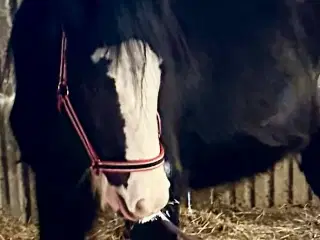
[[227, 196], [315, 201], [281, 183], [262, 190], [13, 157], [212, 196], [203, 198], [3, 197], [5, 21], [2, 175], [4, 178], [21, 192], [32, 196], [300, 188], [243, 193], [13, 172]]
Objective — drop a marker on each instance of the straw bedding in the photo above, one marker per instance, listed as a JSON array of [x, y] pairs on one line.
[[227, 223]]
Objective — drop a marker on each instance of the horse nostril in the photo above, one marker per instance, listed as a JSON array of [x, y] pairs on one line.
[[142, 208], [139, 206]]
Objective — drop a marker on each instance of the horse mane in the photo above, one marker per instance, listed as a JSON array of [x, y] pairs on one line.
[[155, 23], [109, 23]]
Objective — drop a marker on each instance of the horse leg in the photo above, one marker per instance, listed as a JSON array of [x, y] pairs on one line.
[[310, 163], [155, 229], [62, 216]]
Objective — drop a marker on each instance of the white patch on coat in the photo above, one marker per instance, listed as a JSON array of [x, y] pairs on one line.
[[139, 111]]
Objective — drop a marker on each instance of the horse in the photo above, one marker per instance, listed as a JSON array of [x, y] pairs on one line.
[[84, 157], [118, 102]]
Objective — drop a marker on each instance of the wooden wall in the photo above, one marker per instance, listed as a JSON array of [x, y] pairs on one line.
[[283, 184]]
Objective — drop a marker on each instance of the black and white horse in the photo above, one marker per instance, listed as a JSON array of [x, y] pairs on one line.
[[234, 84]]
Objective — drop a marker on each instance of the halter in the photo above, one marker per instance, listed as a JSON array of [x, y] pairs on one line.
[[96, 163]]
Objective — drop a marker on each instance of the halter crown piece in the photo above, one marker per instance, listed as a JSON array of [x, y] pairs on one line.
[[97, 164]]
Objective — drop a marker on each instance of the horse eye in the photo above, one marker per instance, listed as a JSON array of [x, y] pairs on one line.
[[108, 61]]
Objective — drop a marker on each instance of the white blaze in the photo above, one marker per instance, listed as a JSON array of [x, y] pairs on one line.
[[139, 112]]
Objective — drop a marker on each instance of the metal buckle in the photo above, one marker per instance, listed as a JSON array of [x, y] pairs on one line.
[[63, 89]]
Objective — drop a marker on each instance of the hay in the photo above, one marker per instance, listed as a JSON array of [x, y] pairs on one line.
[[12, 229], [227, 223]]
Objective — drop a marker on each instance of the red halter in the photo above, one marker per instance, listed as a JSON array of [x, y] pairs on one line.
[[96, 163]]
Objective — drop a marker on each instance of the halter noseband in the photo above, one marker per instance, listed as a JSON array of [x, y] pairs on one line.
[[96, 163]]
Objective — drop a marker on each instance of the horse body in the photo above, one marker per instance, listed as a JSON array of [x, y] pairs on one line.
[[255, 94], [235, 88]]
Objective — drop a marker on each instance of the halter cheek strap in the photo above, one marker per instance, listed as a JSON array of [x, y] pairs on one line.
[[98, 165]]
